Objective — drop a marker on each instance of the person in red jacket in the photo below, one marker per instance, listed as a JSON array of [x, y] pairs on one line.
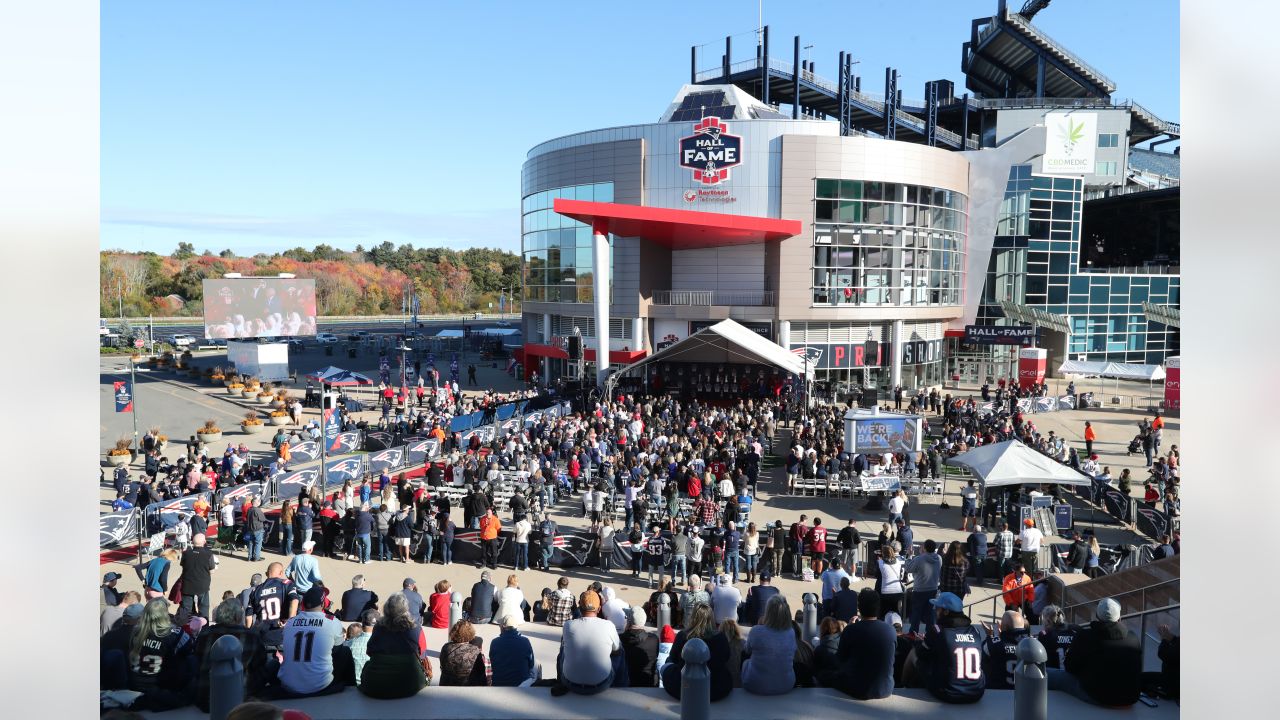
[[439, 605], [816, 542]]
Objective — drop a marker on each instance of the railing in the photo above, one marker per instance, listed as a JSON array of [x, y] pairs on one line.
[[1134, 270], [1015, 19], [333, 319], [1068, 611], [706, 298], [998, 597], [1169, 128], [1161, 182]]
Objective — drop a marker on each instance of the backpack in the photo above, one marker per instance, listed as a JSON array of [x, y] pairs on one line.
[[430, 526], [547, 531]]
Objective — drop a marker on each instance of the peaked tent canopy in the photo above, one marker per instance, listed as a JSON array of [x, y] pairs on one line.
[[337, 376], [449, 333], [726, 342], [1013, 463], [1120, 371]]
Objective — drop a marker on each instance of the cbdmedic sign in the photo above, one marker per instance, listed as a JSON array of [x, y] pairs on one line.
[[710, 151], [1070, 141], [1000, 334]]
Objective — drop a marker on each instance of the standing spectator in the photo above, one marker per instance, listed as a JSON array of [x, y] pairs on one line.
[[587, 646], [511, 655], [363, 527], [1004, 549], [304, 569], [523, 528], [489, 527], [640, 649], [198, 564], [750, 549], [906, 539], [696, 544], [698, 624], [977, 547], [255, 524], [758, 598], [849, 540], [816, 541], [897, 505], [968, 506], [315, 661], [287, 513], [831, 579], [926, 573], [799, 531], [955, 571], [482, 599], [357, 600], [655, 546], [1104, 664], [461, 659], [382, 527], [1090, 435], [890, 582], [447, 530], [402, 532], [397, 652], [777, 545], [1078, 554], [866, 652], [1030, 543], [949, 660], [770, 650], [732, 546], [1019, 593], [306, 519]]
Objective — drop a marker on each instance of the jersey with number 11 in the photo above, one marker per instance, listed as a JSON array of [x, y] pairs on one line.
[[309, 639]]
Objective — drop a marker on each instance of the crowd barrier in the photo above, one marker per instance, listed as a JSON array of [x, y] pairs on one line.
[[1037, 404]]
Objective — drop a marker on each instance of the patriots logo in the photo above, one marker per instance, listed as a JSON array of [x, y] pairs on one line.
[[252, 489], [301, 479], [472, 538], [345, 469], [116, 527], [382, 438], [345, 443], [385, 459], [532, 419], [423, 450], [510, 425], [809, 354], [305, 451], [577, 547], [1156, 519]]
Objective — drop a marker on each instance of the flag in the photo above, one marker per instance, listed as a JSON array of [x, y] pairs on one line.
[[124, 396]]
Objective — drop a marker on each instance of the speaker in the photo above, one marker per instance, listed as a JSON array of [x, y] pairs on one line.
[[575, 347], [870, 398]]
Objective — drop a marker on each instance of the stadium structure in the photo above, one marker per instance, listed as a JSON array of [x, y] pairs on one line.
[[864, 231]]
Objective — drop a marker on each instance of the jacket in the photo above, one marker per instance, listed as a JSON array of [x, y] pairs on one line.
[[1018, 589], [1107, 659]]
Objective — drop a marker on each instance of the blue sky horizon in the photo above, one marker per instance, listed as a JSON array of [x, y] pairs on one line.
[[264, 127]]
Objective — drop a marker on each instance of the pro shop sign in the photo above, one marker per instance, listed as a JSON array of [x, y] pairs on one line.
[[710, 152]]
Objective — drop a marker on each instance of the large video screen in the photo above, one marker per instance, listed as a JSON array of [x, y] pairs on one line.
[[259, 307]]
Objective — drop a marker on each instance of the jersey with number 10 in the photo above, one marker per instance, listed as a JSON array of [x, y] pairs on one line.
[[269, 604], [955, 673]]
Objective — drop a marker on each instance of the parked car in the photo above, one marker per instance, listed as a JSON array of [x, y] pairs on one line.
[[326, 338], [181, 340], [295, 345]]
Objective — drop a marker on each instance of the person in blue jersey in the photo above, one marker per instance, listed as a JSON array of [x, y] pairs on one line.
[[948, 661]]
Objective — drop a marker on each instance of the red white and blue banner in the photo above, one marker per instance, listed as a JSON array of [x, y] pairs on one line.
[[343, 469], [305, 451], [289, 485], [123, 390], [118, 527]]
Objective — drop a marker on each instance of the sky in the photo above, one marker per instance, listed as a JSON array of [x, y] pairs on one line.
[[259, 127]]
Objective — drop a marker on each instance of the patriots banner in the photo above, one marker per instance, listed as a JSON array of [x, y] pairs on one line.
[[343, 469], [305, 451], [421, 450], [331, 428], [532, 419], [378, 440], [1116, 504], [1150, 521], [510, 426], [389, 459], [291, 484], [485, 432], [1111, 558], [343, 443], [165, 514], [124, 395], [118, 527], [569, 549], [239, 493]]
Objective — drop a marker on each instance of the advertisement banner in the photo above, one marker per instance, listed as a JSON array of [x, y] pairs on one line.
[[289, 485], [1032, 365], [117, 527], [1173, 384], [885, 435], [305, 451], [389, 459], [1116, 504], [124, 395], [331, 428], [422, 450], [343, 443], [763, 329], [1070, 142], [1000, 334], [343, 469]]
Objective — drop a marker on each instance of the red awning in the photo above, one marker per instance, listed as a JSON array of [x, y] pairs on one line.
[[677, 229], [616, 357]]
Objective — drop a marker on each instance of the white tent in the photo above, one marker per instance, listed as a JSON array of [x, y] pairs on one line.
[[498, 332], [449, 334], [1119, 371], [728, 342], [1012, 463]]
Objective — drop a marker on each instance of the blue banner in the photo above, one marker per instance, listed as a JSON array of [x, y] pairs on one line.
[[884, 435], [390, 459], [124, 395], [305, 451], [290, 484], [343, 469], [117, 527], [343, 443], [421, 450]]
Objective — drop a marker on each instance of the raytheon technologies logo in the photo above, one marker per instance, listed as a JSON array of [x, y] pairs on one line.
[[710, 151]]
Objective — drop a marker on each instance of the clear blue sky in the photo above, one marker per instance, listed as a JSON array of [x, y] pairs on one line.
[[261, 126]]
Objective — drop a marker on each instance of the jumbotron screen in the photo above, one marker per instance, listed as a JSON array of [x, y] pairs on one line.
[[259, 307]]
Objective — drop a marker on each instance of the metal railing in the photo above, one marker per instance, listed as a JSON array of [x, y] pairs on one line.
[[1068, 611], [998, 597], [1134, 270], [706, 298], [1013, 18]]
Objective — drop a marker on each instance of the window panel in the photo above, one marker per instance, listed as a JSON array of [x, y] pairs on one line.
[[829, 189]]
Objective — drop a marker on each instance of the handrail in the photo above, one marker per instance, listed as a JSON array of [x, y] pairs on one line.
[[999, 595], [1014, 18]]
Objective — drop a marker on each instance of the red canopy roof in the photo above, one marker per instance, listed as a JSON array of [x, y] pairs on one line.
[[677, 229]]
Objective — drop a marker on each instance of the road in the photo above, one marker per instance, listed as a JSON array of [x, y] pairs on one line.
[[430, 327]]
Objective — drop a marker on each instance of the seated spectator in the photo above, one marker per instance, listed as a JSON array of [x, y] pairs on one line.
[[758, 598], [461, 659], [112, 614], [867, 651], [725, 599], [733, 633], [949, 660], [1165, 683], [640, 647], [614, 609], [844, 604], [414, 601], [315, 661], [1056, 635], [114, 648], [560, 611], [482, 605], [360, 643], [510, 601], [511, 654], [587, 647], [826, 663], [439, 604], [699, 625], [802, 663], [1000, 651], [357, 600], [1104, 664], [770, 650], [694, 596], [228, 619], [397, 650], [158, 660]]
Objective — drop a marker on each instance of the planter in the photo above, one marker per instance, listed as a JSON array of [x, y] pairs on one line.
[[209, 438], [118, 460], [265, 399], [253, 429], [235, 391], [277, 404], [279, 419]]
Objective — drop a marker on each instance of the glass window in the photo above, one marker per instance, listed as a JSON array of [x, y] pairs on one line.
[[851, 189], [828, 188], [1108, 140], [1107, 168], [826, 211], [894, 192], [1062, 211], [604, 192], [850, 211], [911, 194], [873, 191]]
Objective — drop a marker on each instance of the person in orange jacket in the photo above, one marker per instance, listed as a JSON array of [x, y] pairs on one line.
[[1089, 437], [489, 527], [1019, 593]]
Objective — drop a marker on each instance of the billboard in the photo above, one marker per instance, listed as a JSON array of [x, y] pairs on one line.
[[1070, 141], [259, 307], [884, 435]]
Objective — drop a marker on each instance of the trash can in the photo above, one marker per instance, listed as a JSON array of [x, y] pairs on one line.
[[328, 350]]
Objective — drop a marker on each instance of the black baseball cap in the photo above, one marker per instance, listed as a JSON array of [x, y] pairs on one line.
[[313, 597]]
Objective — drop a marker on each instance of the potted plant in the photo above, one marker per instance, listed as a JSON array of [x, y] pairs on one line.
[[251, 387], [252, 423], [209, 432], [217, 376], [235, 389], [266, 395], [279, 417], [231, 377], [121, 454], [282, 396]]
